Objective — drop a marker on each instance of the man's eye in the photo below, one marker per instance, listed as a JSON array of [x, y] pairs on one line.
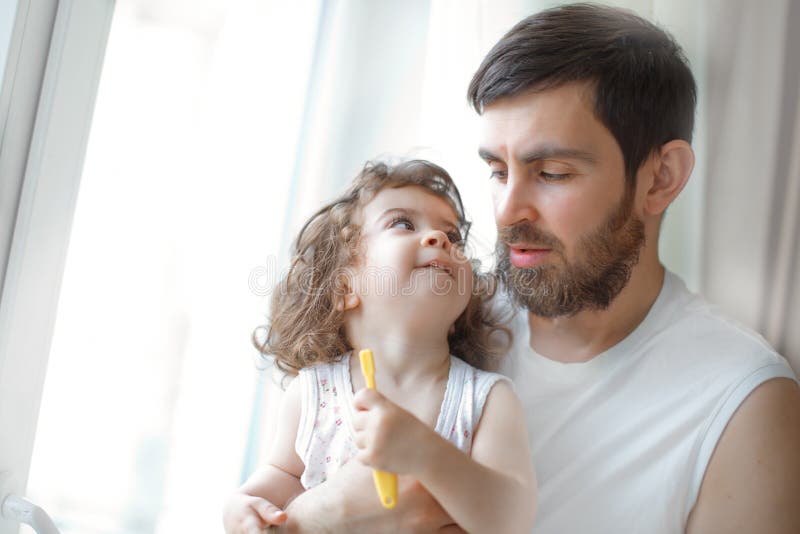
[[403, 222], [551, 177], [498, 175]]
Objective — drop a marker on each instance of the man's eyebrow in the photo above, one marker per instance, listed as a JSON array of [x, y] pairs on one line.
[[486, 155], [556, 152], [544, 152]]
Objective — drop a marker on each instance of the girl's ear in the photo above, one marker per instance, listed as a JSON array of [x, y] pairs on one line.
[[348, 302], [345, 292]]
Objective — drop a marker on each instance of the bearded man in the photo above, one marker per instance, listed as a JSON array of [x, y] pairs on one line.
[[648, 411]]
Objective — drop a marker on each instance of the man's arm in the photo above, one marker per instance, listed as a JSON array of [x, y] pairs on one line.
[[752, 482], [347, 502]]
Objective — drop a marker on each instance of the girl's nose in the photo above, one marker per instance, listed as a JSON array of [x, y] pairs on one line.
[[435, 238]]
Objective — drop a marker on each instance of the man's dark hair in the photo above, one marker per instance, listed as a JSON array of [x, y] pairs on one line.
[[644, 92]]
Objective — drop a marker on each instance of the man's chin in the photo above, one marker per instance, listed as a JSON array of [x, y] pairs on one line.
[[548, 292], [592, 281], [547, 308]]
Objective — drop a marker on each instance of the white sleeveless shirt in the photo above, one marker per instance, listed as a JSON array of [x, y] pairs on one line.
[[325, 435], [621, 442]]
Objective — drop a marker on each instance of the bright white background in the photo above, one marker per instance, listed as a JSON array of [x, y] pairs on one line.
[[219, 126]]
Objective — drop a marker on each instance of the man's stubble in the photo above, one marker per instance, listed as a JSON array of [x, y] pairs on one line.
[[605, 260]]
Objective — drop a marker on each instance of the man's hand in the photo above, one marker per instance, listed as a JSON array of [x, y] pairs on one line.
[[246, 514], [348, 502], [388, 437]]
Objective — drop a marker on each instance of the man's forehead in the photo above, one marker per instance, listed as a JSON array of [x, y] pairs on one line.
[[556, 104], [536, 123]]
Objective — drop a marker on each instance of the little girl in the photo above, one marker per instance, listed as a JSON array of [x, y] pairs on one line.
[[382, 267]]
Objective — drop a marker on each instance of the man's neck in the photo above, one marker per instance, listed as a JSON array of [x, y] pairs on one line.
[[581, 337]]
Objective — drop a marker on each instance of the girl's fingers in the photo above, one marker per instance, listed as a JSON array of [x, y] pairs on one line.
[[271, 514], [278, 518], [366, 398], [364, 458], [252, 524], [360, 440], [359, 420]]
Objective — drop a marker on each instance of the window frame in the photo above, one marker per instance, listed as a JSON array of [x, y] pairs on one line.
[[47, 100]]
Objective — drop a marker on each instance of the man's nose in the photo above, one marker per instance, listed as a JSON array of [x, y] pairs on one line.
[[435, 238], [514, 201]]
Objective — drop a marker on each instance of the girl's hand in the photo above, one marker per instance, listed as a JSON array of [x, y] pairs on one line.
[[388, 437], [246, 514]]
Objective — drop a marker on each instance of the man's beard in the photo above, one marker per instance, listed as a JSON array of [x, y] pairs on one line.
[[605, 259]]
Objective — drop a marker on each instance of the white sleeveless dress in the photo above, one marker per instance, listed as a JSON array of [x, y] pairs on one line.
[[325, 435]]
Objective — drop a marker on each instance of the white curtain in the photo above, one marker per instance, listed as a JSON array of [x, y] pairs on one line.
[[750, 261]]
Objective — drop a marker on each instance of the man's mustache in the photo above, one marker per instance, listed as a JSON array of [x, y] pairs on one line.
[[526, 232]]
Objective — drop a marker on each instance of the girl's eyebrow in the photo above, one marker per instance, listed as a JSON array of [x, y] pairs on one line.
[[414, 214]]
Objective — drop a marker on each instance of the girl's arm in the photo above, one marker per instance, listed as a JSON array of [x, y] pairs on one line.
[[492, 491], [259, 502]]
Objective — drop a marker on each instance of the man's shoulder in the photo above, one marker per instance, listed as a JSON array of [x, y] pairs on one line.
[[678, 314], [695, 342], [682, 330], [701, 330]]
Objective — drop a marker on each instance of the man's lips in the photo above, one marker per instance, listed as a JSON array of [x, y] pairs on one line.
[[523, 256]]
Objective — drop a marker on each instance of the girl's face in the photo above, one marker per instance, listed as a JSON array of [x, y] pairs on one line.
[[412, 259]]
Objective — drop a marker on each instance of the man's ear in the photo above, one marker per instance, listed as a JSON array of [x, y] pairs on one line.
[[671, 169]]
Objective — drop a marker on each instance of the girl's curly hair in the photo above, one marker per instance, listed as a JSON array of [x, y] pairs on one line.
[[305, 326]]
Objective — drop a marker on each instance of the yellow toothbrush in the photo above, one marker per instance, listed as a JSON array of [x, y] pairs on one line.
[[385, 483]]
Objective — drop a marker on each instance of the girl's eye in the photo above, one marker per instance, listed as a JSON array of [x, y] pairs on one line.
[[403, 222], [455, 238]]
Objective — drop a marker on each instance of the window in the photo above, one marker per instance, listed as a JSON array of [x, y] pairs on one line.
[[151, 376]]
